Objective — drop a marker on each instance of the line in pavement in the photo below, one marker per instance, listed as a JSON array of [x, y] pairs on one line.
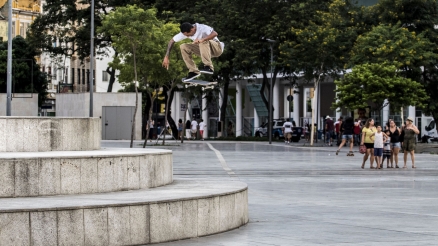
[[221, 160]]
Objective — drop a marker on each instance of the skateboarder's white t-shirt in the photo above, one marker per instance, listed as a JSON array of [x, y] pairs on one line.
[[202, 31]]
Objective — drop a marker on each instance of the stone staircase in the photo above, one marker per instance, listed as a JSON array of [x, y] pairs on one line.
[[59, 188]]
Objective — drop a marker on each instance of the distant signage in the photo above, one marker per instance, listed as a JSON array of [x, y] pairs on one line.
[[183, 107]]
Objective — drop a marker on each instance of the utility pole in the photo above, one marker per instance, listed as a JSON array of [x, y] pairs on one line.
[[9, 68], [271, 42]]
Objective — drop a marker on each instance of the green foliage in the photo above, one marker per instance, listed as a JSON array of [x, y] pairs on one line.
[[396, 44], [24, 79], [375, 82]]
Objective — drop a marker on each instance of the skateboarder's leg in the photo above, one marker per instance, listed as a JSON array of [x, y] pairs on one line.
[[209, 49], [186, 51]]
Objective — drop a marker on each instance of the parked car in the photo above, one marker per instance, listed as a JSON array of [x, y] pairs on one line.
[[277, 131]]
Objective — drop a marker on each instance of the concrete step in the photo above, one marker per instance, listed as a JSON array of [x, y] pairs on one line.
[[39, 134], [27, 174], [183, 209]]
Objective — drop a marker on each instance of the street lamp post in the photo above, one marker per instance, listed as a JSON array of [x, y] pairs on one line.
[[91, 77], [271, 42]]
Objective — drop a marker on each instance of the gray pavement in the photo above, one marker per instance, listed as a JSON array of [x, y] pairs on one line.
[[309, 196]]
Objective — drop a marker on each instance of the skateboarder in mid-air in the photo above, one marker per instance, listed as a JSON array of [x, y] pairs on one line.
[[205, 45]]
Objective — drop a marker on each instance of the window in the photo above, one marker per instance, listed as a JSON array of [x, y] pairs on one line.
[[13, 29], [22, 31], [88, 76], [104, 76], [83, 76], [66, 76], [79, 76], [72, 76]]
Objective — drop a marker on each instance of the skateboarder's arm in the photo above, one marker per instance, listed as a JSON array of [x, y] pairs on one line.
[[166, 57], [212, 35]]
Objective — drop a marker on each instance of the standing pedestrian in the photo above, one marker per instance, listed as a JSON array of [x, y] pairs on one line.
[[188, 129], [409, 141], [330, 130], [194, 129], [287, 131], [202, 127], [368, 130], [387, 154], [394, 134], [357, 130], [347, 135], [379, 139]]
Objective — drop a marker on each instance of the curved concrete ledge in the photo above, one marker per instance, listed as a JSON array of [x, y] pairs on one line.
[[83, 172], [37, 134], [184, 209]]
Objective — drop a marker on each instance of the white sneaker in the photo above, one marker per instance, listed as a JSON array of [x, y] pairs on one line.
[[288, 142]]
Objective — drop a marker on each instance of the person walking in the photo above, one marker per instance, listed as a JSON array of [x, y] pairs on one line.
[[367, 131], [379, 138], [188, 126], [180, 128], [287, 131], [347, 135], [194, 129], [202, 127], [330, 130], [409, 141], [205, 45], [338, 130], [394, 134]]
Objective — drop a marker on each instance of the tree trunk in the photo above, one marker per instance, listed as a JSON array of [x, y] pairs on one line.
[[224, 105], [136, 100], [172, 122], [149, 120], [112, 73]]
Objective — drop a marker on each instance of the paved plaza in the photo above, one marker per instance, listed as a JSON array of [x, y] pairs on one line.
[[309, 196]]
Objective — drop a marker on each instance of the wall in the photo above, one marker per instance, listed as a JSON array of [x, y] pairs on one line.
[[22, 104], [78, 104]]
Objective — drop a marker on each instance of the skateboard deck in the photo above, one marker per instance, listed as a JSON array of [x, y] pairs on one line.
[[204, 84]]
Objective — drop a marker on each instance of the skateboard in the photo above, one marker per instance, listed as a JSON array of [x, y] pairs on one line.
[[205, 84]]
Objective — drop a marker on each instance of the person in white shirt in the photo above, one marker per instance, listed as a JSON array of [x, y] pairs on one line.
[[194, 128], [287, 131], [205, 45], [202, 127]]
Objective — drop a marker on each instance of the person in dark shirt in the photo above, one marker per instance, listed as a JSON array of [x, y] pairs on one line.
[[347, 128], [329, 130]]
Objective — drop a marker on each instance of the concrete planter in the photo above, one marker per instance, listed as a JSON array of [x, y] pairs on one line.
[[41, 134]]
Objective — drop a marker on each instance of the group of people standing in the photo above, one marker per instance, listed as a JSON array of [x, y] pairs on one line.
[[389, 142], [380, 144], [192, 129]]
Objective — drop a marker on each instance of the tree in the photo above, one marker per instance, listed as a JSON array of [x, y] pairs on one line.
[[375, 82], [395, 44], [26, 74], [320, 49], [131, 27], [140, 39], [68, 22], [419, 16]]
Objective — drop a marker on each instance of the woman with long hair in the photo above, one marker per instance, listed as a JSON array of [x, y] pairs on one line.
[[368, 130], [394, 134]]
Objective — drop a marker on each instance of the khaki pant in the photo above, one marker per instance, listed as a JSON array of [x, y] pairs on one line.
[[206, 50]]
